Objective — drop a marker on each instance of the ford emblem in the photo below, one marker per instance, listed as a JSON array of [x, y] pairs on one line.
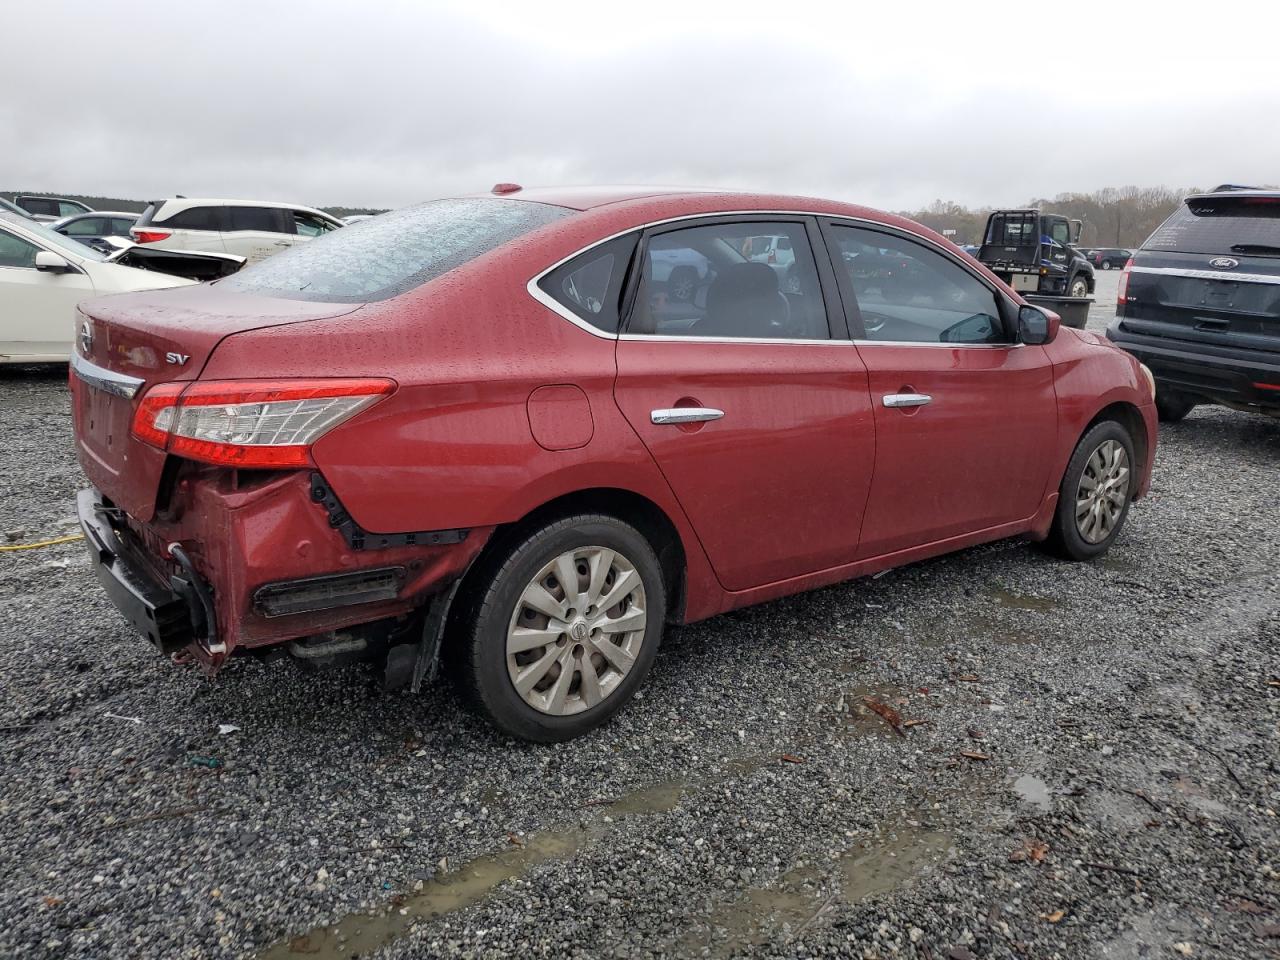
[[1224, 263]]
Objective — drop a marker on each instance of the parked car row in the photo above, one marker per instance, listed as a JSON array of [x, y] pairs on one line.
[[503, 431], [252, 229], [1108, 258]]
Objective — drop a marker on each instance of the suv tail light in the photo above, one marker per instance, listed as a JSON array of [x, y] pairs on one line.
[[251, 423], [1122, 291], [149, 236]]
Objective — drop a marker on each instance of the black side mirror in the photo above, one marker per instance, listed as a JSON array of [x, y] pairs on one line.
[[1037, 327]]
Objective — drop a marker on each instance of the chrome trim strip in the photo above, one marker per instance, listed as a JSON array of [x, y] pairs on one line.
[[1209, 274], [685, 415], [928, 343], [551, 304], [677, 338], [103, 379]]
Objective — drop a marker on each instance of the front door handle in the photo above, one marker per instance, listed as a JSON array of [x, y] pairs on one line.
[[685, 415], [907, 399]]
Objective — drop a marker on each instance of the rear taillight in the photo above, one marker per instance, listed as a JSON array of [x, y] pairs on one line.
[[149, 236], [1122, 291], [250, 423]]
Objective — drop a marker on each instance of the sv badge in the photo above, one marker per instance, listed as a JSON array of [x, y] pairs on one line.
[[178, 358]]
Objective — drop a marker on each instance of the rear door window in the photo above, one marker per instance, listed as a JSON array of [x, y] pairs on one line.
[[260, 219], [1221, 225], [380, 258], [724, 280], [42, 207], [590, 285], [194, 218], [120, 227], [68, 209], [84, 227]]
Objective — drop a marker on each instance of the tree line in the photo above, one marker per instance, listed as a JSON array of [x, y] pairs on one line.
[[1113, 217]]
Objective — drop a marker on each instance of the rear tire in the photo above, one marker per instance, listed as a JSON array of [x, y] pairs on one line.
[[682, 284], [542, 691], [1106, 264], [1172, 406], [1094, 496]]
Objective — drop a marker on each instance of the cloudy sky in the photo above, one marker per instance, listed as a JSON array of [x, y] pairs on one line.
[[384, 103]]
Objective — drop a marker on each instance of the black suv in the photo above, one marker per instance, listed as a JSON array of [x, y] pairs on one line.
[[1200, 304], [1108, 257]]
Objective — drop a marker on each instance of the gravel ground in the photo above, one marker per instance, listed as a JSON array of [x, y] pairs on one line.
[[1089, 764]]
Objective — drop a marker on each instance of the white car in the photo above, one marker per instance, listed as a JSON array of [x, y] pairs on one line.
[[43, 275], [253, 229]]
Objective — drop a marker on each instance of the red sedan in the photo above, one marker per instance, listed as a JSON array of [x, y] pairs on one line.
[[523, 431]]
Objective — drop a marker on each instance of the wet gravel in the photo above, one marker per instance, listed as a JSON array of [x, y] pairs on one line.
[[750, 801]]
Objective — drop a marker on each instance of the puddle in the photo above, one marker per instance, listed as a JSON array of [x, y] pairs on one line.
[[1020, 601], [1033, 791], [361, 934], [800, 897]]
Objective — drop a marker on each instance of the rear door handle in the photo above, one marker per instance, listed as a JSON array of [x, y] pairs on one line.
[[685, 415], [907, 399]]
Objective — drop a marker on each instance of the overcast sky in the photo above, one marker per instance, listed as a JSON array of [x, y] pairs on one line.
[[383, 104]]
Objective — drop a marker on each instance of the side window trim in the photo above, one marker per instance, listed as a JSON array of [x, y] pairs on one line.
[[858, 330], [836, 327]]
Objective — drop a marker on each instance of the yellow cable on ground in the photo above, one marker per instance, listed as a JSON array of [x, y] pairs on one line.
[[42, 543]]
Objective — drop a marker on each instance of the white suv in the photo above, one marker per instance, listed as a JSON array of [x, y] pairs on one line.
[[252, 229]]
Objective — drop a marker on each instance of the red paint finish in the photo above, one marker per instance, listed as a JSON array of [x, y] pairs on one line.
[[974, 457], [560, 417], [775, 488], [502, 405]]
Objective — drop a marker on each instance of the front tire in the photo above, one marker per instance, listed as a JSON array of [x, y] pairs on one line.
[[1172, 406], [1094, 496], [563, 628], [1079, 287]]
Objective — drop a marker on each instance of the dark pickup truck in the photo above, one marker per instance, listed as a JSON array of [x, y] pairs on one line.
[[1200, 303]]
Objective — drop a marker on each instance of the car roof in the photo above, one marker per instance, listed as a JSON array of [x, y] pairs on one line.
[[174, 204], [95, 213], [590, 197]]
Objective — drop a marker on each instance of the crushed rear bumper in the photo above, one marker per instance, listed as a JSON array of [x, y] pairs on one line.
[[169, 612]]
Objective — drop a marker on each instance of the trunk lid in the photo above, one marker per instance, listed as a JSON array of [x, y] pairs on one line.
[[127, 344]]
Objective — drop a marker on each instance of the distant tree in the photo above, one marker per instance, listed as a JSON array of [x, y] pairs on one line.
[[1113, 216]]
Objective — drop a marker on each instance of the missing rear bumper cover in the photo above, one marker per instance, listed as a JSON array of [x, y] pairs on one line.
[[360, 539]]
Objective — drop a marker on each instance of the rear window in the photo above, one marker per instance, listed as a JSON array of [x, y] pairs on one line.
[[1013, 230], [1221, 225], [383, 257]]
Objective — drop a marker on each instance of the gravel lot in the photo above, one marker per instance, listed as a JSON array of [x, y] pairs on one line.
[[1092, 767]]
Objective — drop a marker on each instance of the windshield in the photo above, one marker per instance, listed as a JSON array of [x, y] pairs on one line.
[[383, 257], [1221, 225], [55, 241]]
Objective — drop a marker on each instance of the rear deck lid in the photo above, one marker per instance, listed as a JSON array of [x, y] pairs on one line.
[[128, 343], [1211, 273]]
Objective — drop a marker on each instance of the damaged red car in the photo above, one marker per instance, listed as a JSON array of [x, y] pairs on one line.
[[519, 433]]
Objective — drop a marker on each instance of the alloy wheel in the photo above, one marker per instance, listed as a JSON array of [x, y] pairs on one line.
[[1102, 492], [576, 630]]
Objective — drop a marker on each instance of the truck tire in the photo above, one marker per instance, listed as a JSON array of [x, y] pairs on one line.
[[1079, 286]]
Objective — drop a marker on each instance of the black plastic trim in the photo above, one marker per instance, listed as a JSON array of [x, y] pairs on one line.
[[358, 538]]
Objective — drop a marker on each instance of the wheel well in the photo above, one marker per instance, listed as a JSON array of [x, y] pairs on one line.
[[642, 513], [1127, 415]]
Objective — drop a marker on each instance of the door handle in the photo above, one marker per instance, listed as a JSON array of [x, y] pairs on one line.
[[282, 243], [907, 399], [685, 415]]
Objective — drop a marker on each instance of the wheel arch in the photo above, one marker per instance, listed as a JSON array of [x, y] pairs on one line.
[[1129, 417], [626, 505]]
